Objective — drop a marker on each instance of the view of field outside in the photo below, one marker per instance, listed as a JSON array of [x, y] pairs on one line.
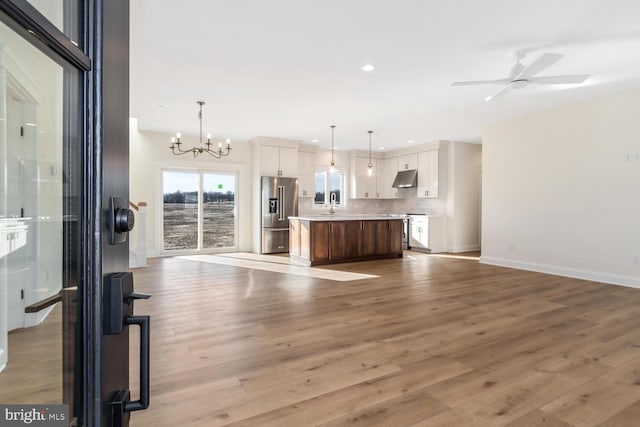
[[180, 210], [331, 180]]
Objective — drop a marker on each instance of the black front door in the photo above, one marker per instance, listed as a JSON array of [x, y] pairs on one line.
[[118, 285], [64, 180]]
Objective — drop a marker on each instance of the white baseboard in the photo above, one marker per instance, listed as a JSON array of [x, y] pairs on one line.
[[465, 248], [576, 273]]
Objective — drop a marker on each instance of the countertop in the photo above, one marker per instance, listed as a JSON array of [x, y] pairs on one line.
[[347, 217]]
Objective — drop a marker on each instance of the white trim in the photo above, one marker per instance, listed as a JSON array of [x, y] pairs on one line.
[[465, 248], [596, 276]]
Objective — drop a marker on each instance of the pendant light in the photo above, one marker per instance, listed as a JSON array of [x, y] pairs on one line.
[[370, 165], [332, 168]]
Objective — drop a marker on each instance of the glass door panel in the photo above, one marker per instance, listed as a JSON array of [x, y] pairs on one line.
[[40, 207], [219, 211], [180, 192]]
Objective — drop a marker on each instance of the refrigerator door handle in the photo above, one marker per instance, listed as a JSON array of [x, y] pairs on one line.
[[281, 202]]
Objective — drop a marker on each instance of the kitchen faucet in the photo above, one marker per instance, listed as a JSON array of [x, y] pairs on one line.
[[332, 204]]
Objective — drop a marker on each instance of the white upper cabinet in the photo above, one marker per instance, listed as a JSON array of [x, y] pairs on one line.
[[278, 161], [428, 173], [407, 162], [365, 186], [390, 172], [306, 178]]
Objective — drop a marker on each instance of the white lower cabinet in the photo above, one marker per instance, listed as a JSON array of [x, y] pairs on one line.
[[428, 233]]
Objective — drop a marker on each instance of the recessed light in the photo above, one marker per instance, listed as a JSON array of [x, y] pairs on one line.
[[368, 67], [411, 141], [314, 140], [382, 148]]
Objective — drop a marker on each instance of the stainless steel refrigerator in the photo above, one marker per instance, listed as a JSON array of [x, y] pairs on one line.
[[279, 202]]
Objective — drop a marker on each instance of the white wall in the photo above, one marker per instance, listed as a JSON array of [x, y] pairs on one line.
[[559, 195], [150, 150]]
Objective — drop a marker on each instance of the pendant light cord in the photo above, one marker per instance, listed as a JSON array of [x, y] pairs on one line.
[[200, 117], [332, 129]]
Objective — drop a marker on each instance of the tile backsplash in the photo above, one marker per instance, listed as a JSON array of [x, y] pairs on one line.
[[407, 203]]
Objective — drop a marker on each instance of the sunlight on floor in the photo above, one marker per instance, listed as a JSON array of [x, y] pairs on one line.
[[278, 267]]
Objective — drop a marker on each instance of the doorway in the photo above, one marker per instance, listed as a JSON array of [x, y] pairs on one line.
[[199, 211]]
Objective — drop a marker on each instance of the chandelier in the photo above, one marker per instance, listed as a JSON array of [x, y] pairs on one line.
[[218, 152]]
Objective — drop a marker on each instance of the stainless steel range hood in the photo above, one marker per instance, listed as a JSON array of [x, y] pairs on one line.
[[406, 179]]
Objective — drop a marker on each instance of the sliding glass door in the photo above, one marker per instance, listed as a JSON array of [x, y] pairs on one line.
[[199, 212], [218, 211], [180, 210]]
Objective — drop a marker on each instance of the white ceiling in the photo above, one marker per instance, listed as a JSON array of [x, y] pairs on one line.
[[291, 68]]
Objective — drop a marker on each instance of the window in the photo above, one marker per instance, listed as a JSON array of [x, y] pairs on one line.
[[329, 186]]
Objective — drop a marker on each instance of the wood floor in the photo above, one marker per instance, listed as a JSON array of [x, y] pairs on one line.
[[433, 341]]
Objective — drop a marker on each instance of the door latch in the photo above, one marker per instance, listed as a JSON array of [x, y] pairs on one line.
[[120, 220]]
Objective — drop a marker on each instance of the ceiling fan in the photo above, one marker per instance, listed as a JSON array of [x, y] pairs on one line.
[[522, 75]]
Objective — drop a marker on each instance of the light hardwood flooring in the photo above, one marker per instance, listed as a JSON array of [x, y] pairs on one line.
[[432, 341]]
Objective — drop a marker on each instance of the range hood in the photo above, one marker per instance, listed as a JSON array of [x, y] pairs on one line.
[[406, 179]]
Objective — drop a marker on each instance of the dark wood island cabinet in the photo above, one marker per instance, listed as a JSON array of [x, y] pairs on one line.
[[332, 239]]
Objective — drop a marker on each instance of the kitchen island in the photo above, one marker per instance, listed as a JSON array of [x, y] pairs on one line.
[[329, 239]]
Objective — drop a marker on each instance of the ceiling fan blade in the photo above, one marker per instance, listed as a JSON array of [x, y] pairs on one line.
[[502, 92], [545, 61], [516, 70], [481, 82], [559, 80]]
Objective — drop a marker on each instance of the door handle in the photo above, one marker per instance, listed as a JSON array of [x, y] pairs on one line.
[[41, 305], [144, 323], [281, 203]]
